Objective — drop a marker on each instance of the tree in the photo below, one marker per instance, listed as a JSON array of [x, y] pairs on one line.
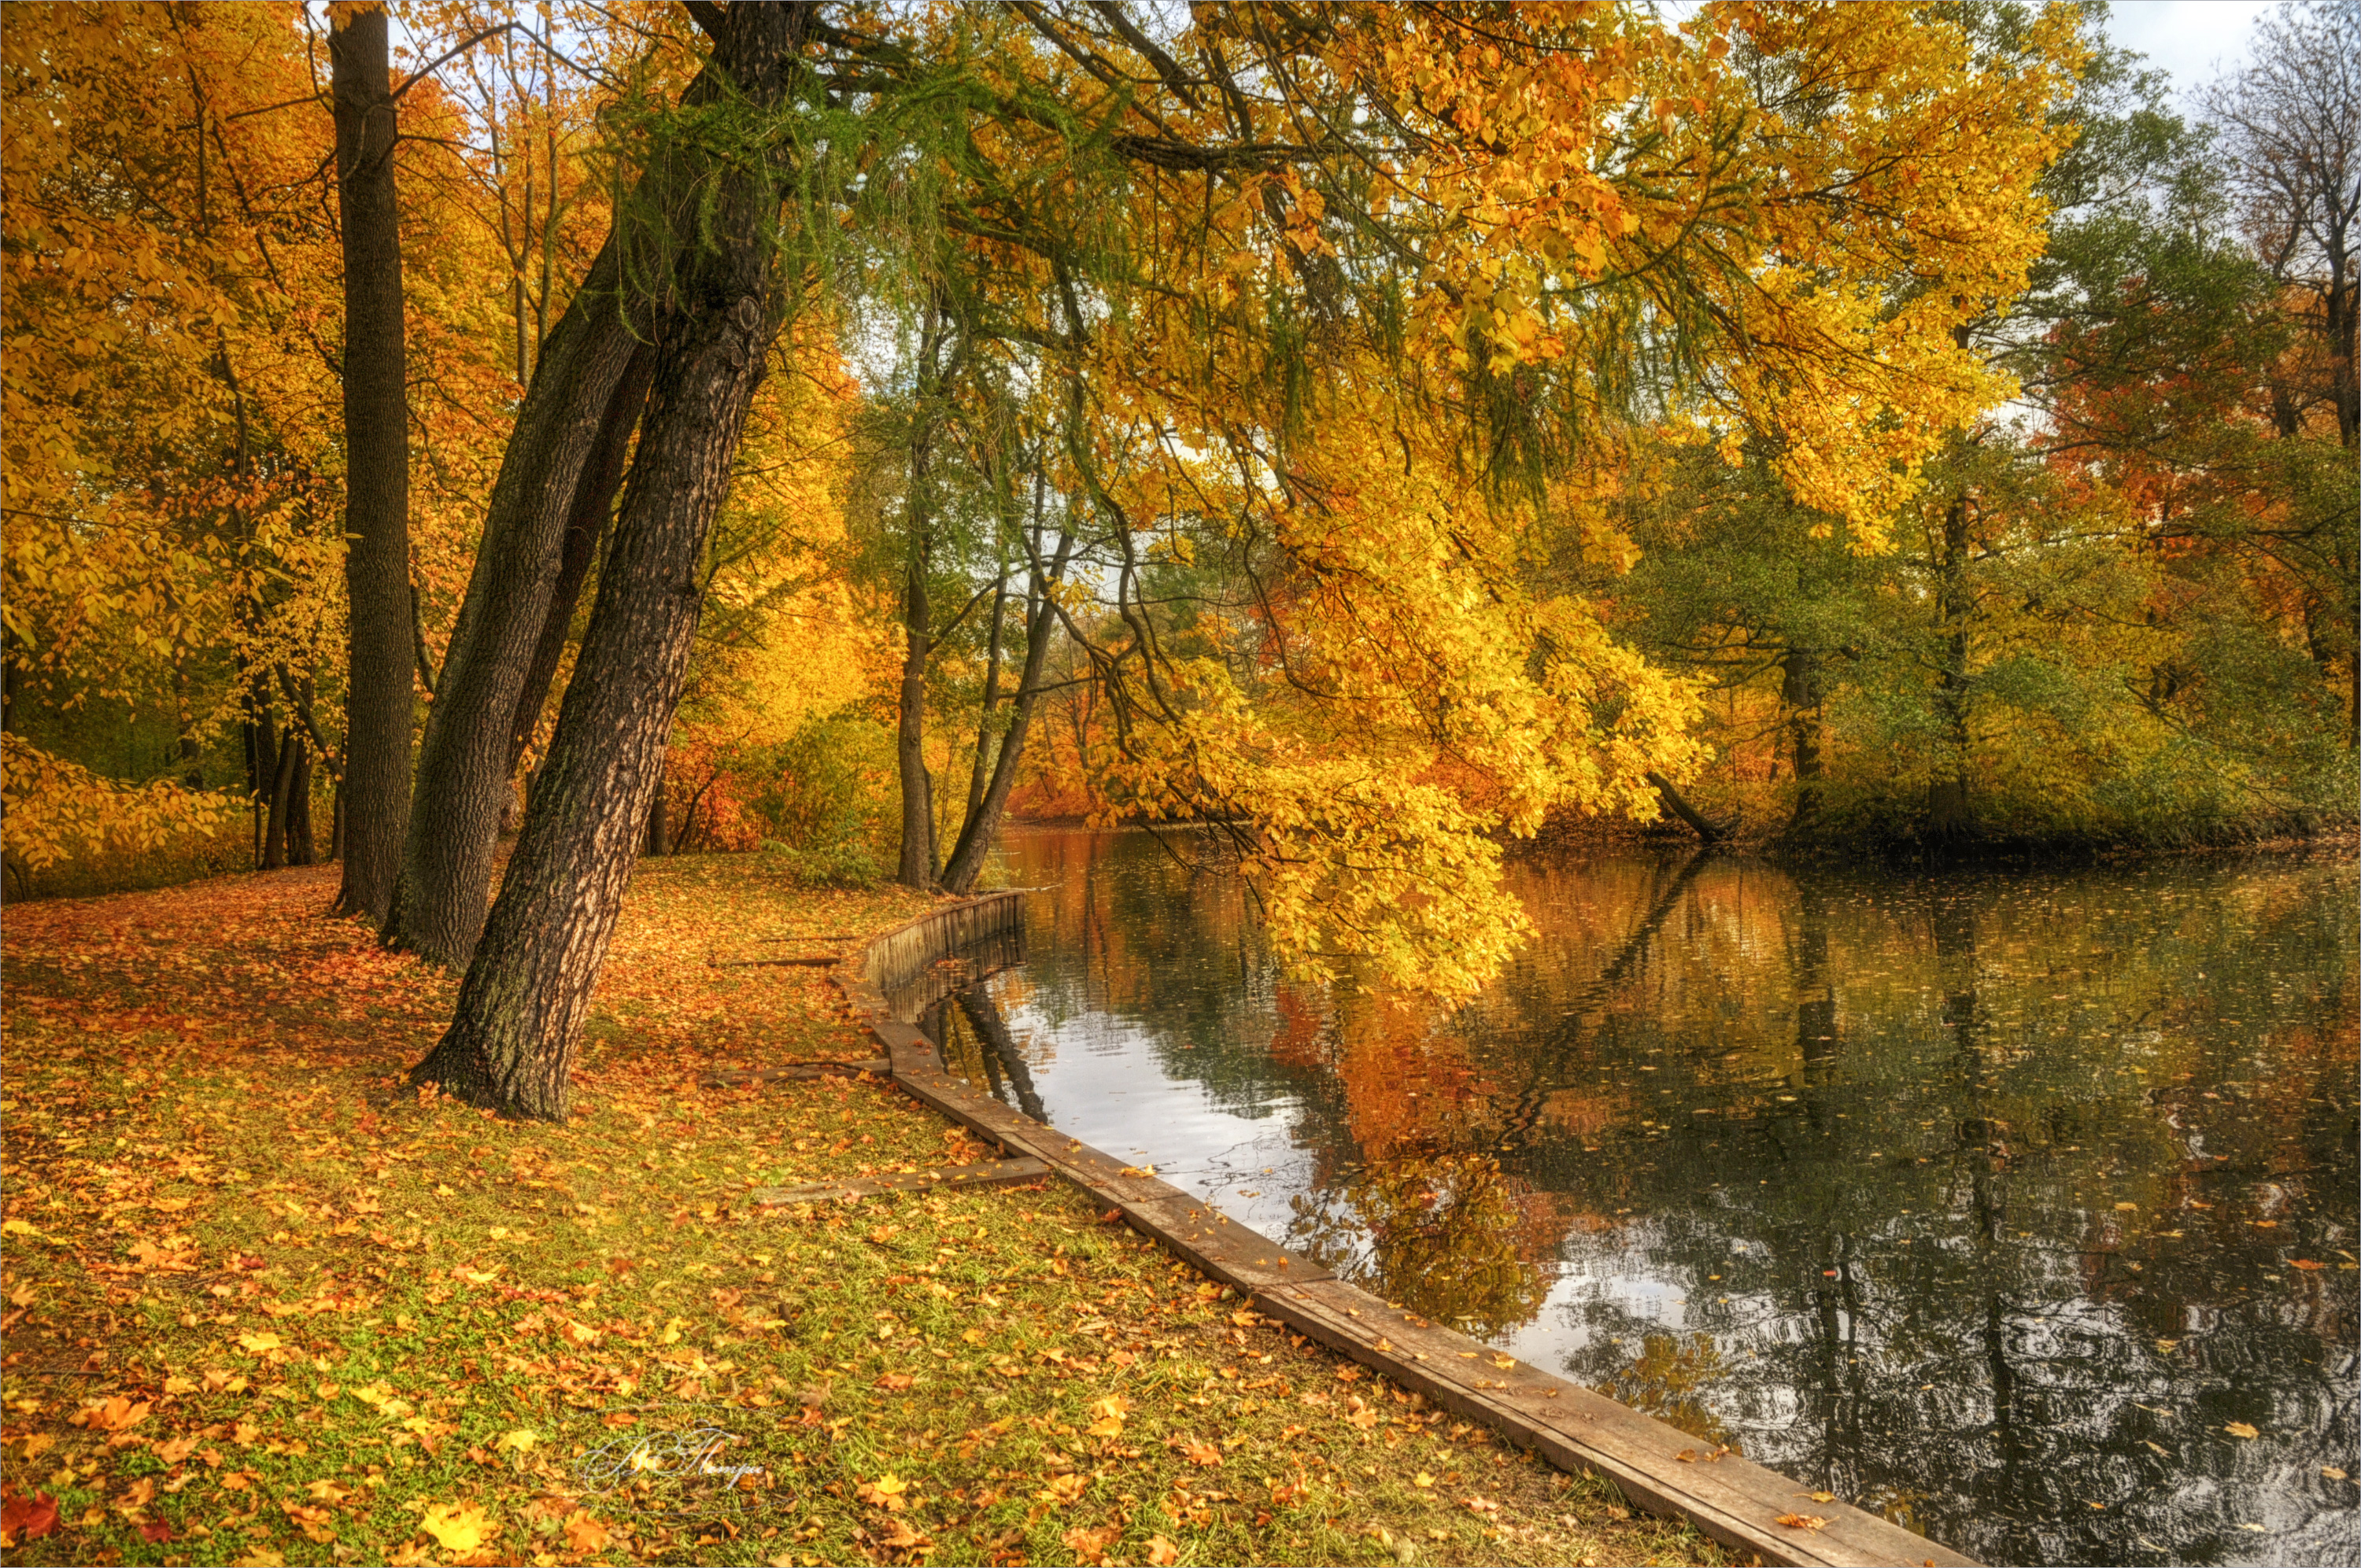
[[715, 263], [381, 630]]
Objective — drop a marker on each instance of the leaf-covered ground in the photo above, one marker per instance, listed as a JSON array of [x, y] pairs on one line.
[[264, 1305]]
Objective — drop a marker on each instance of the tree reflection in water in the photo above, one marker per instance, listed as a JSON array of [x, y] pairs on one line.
[[1979, 1198]]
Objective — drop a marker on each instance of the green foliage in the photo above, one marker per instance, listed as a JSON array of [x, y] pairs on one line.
[[829, 804]]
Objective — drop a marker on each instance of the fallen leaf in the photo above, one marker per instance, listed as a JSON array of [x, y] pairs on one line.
[[259, 1341], [155, 1533], [522, 1439], [2332, 1472], [1422, 1480], [586, 1533], [2305, 1264], [2240, 1429], [894, 1382], [1162, 1553], [1818, 1497], [24, 1518], [1064, 1490], [888, 1492], [1091, 1545], [1202, 1454], [1802, 1521], [460, 1526]]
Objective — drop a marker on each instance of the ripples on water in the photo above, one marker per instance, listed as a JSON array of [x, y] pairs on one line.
[[2002, 1204]]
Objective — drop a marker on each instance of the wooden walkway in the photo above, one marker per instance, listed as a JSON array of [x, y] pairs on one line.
[[1658, 1466]]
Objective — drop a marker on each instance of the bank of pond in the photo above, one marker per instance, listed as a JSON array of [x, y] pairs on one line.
[[2016, 1205]]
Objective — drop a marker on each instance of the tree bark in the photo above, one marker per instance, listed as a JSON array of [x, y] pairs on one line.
[[585, 526], [378, 701], [983, 824], [1950, 813], [918, 865], [300, 847], [1799, 693], [465, 761], [511, 1044], [283, 782]]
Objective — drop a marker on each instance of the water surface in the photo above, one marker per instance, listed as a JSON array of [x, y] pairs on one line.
[[2004, 1204]]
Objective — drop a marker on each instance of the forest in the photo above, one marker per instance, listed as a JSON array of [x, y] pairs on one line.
[[629, 624], [464, 437]]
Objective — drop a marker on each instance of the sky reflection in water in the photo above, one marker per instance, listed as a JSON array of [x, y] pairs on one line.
[[1983, 1199]]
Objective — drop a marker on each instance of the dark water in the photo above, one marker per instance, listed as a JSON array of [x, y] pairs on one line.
[[1999, 1204]]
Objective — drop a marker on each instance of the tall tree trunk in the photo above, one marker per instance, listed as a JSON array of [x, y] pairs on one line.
[[981, 767], [511, 1044], [1949, 812], [282, 781], [1799, 694], [299, 849], [548, 475], [378, 701], [983, 824], [585, 524], [659, 842], [917, 867]]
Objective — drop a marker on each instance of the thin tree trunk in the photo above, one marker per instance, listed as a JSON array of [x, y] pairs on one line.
[[511, 1044], [300, 851], [282, 781], [981, 766], [1799, 693], [1950, 813], [1708, 831], [659, 840], [378, 701], [918, 866], [982, 825]]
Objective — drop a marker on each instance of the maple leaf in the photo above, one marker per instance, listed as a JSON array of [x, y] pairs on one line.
[[1802, 1521], [24, 1518], [586, 1533], [260, 1341], [1161, 1552], [460, 1526], [888, 1492], [1203, 1453]]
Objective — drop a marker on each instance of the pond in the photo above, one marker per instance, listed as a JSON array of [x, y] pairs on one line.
[[2019, 1206]]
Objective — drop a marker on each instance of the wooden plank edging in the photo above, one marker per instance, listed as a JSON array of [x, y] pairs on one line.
[[1656, 1465]]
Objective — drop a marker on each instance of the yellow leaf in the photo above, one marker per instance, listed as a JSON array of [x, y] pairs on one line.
[[460, 1526], [2240, 1429], [520, 1440], [259, 1342], [1161, 1552]]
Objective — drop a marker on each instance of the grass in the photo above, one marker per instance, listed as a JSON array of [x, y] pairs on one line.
[[265, 1305]]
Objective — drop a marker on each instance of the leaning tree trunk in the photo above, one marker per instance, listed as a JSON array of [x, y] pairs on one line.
[[548, 476], [376, 471], [918, 863], [511, 1044], [585, 526], [983, 824]]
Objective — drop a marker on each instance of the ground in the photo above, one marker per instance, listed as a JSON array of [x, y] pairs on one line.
[[265, 1305]]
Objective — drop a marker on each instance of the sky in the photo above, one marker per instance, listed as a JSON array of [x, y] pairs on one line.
[[2194, 39]]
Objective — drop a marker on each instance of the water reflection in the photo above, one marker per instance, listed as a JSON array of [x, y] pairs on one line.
[[2003, 1203]]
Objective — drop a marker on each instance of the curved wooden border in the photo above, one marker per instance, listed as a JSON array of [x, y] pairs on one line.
[[1658, 1466]]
